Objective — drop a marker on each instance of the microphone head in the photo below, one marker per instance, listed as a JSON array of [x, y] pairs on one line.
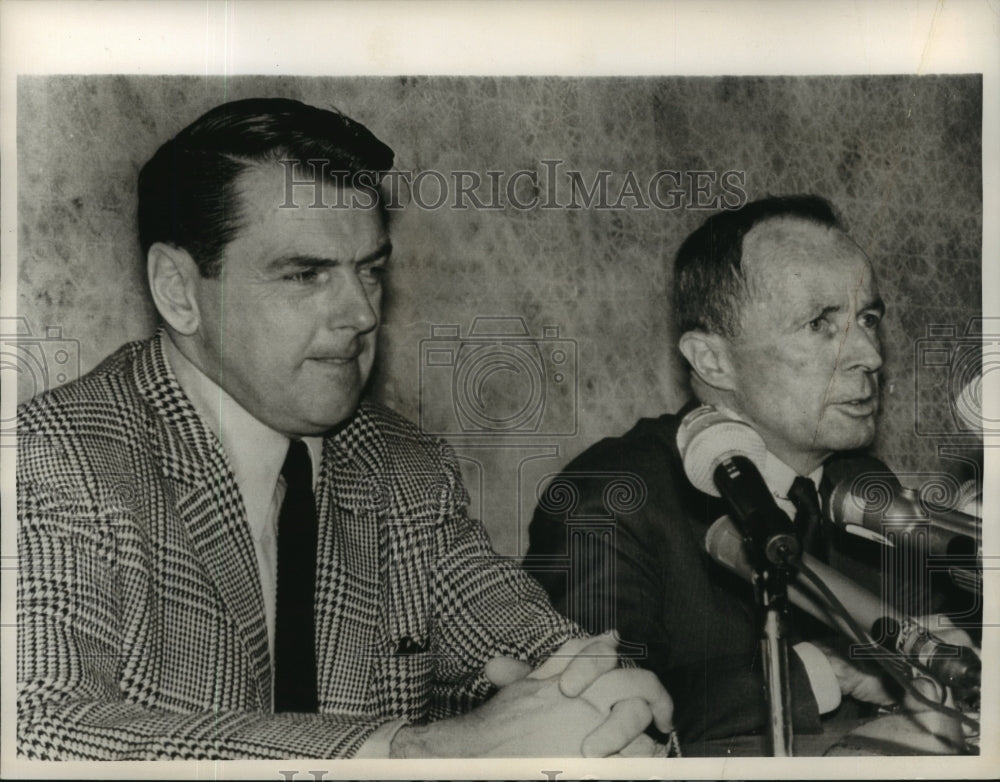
[[724, 544], [707, 437], [861, 487]]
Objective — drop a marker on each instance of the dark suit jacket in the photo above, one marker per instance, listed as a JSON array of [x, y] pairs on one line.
[[618, 542], [141, 630]]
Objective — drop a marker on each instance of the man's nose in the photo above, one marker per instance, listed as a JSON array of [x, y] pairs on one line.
[[862, 349], [352, 304]]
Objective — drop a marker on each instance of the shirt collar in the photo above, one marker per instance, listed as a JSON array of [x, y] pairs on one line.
[[255, 451], [779, 476]]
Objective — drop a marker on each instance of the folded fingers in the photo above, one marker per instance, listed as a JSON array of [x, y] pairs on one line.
[[626, 684]]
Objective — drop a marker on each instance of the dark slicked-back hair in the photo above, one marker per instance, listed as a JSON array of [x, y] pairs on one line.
[[709, 281], [187, 193]]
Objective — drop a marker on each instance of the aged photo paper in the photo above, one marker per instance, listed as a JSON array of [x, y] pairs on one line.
[[550, 160]]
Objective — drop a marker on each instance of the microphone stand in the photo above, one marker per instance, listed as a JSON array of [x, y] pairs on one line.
[[771, 589], [770, 540]]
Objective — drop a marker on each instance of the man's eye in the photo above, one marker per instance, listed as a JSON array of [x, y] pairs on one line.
[[303, 275], [818, 324], [870, 320], [373, 274]]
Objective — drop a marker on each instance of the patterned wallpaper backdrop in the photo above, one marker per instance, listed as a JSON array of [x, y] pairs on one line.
[[574, 339]]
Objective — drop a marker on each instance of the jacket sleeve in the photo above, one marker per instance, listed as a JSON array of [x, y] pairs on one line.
[[485, 605], [71, 704]]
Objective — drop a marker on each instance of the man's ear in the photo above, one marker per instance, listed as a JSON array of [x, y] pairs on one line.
[[708, 355], [172, 275]]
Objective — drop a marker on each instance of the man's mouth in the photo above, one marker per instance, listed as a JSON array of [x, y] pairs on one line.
[[346, 358], [861, 406]]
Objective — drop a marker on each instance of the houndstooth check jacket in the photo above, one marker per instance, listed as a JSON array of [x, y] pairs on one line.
[[141, 630]]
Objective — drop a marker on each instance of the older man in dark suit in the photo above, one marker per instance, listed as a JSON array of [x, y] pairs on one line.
[[224, 553], [779, 312]]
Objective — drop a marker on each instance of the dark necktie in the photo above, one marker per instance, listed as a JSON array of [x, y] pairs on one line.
[[808, 517], [294, 631]]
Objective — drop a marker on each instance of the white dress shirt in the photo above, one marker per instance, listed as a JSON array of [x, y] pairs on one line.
[[256, 454]]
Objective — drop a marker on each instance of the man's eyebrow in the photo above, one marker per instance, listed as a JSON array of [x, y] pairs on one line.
[[875, 304], [383, 251], [318, 261]]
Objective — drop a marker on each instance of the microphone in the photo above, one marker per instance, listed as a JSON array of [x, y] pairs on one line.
[[958, 667], [721, 456], [867, 495]]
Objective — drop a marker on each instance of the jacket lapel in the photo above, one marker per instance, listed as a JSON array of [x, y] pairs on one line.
[[209, 505], [347, 577]]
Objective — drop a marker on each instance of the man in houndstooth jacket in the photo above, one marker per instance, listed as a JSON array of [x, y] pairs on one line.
[[148, 493]]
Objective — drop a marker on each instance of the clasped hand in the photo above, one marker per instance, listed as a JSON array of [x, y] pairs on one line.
[[578, 702]]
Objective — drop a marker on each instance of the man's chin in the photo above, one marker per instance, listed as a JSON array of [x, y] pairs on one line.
[[858, 434], [320, 419], [335, 418]]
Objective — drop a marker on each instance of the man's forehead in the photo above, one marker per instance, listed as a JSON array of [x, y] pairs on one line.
[[271, 227], [290, 191], [786, 245]]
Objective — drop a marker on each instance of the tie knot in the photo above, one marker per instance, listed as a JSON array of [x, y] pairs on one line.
[[297, 469], [803, 495]]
